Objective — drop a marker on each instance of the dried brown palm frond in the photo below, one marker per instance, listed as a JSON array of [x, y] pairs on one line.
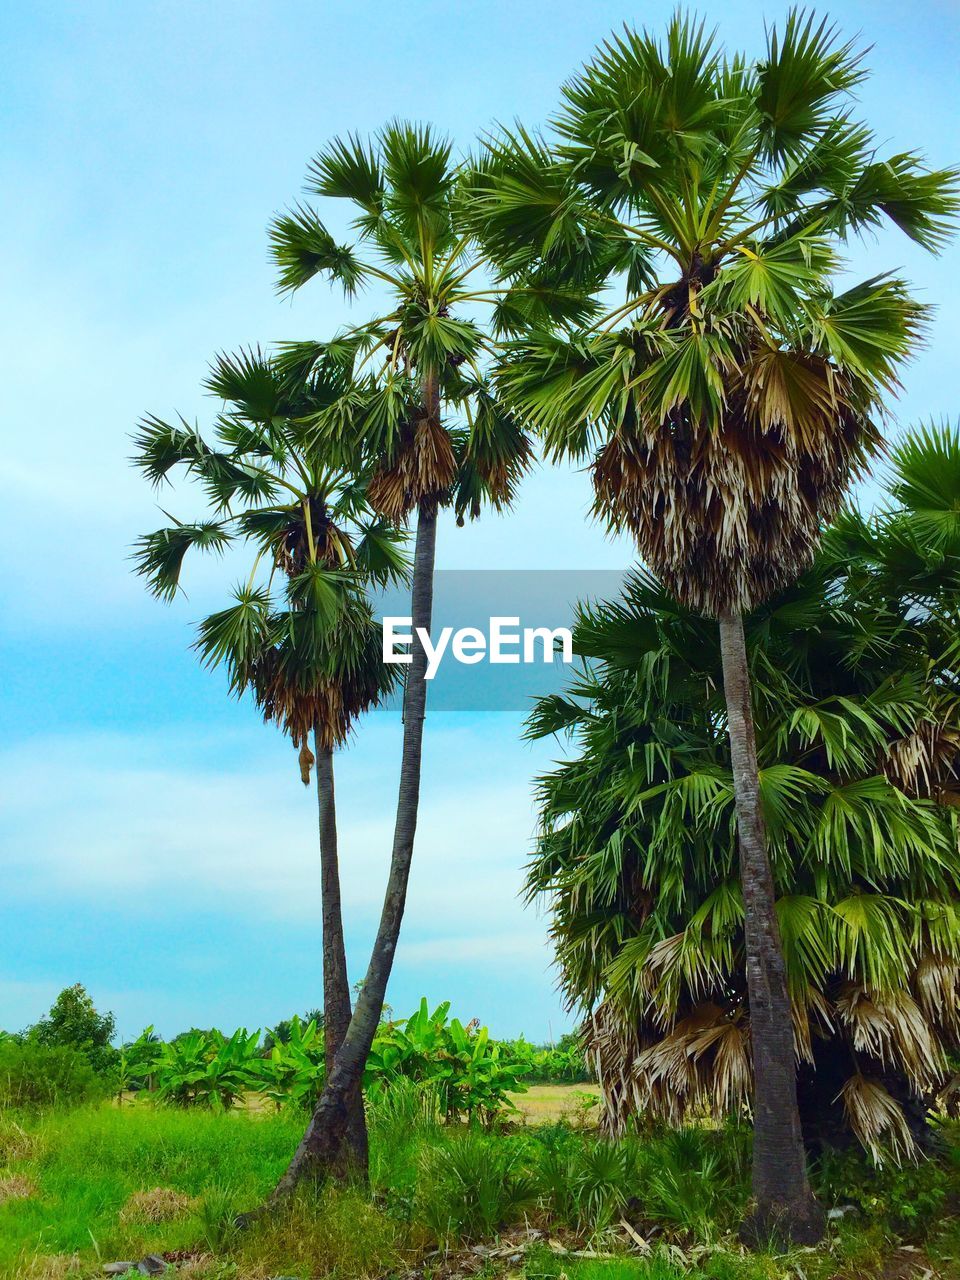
[[298, 712], [326, 706], [612, 1042], [890, 1027], [927, 761], [878, 1120], [726, 515], [724, 1046], [809, 1009], [701, 1065], [422, 466], [936, 982]]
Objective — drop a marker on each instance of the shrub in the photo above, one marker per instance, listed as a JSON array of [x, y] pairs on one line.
[[910, 1199], [473, 1074], [472, 1186], [586, 1184], [561, 1063], [38, 1075], [694, 1180], [205, 1068]]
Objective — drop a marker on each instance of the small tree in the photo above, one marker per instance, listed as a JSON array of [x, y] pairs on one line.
[[74, 1022]]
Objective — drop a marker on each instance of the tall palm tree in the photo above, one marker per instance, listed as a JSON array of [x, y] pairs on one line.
[[726, 403], [421, 411], [311, 659], [858, 731]]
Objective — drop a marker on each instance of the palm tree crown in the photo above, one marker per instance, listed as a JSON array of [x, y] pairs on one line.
[[311, 658], [425, 348], [725, 404]]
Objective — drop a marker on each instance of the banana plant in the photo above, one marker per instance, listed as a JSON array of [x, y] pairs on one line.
[[207, 1069], [293, 1073]]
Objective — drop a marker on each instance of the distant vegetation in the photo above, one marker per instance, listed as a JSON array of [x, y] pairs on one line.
[[67, 1058]]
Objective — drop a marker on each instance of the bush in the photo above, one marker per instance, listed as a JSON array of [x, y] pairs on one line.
[[39, 1075], [561, 1063], [587, 1184], [910, 1199], [694, 1181], [473, 1075], [472, 1186]]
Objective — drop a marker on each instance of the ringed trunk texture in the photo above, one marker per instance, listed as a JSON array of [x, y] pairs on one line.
[[323, 1148], [784, 1206], [336, 988]]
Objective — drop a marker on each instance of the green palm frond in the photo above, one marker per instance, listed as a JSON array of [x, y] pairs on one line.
[[159, 556], [302, 248], [857, 712]]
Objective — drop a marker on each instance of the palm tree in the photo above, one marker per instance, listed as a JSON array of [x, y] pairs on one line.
[[725, 404], [312, 658], [421, 411], [858, 731]]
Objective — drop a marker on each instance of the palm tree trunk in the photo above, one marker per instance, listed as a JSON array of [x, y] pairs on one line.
[[784, 1205], [336, 989], [323, 1148]]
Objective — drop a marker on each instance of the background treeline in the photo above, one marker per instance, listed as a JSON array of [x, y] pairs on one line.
[[68, 1056]]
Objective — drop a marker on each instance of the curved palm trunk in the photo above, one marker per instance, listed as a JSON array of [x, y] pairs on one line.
[[336, 989], [784, 1204], [323, 1148]]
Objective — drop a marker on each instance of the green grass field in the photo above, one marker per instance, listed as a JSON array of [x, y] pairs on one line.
[[97, 1184]]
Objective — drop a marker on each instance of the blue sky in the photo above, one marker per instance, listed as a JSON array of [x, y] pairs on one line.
[[157, 844]]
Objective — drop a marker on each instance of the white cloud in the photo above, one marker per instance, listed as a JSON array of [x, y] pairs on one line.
[[222, 821]]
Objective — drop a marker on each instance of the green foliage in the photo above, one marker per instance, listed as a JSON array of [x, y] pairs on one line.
[[33, 1074], [436, 1184], [73, 1022], [293, 1070], [911, 1199], [857, 712], [206, 1068], [472, 1074], [695, 1181], [562, 1063], [473, 1185], [86, 1162], [587, 1184], [464, 1073], [218, 1218], [402, 1119]]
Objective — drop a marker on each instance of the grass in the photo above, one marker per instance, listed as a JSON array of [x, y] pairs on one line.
[[546, 1102], [87, 1164], [100, 1184]]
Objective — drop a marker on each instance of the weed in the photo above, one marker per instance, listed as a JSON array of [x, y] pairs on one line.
[[218, 1218]]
